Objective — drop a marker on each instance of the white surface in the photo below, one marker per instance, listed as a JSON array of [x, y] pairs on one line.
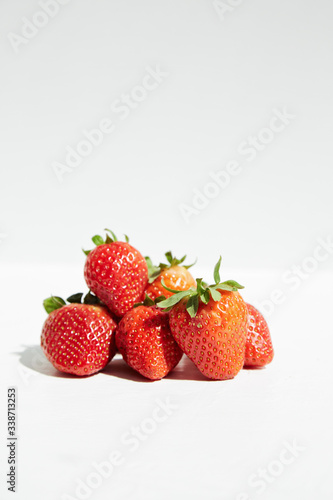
[[209, 446]]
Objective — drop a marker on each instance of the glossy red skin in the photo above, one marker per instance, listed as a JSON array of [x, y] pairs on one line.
[[175, 277], [118, 274], [259, 348], [144, 339], [215, 339], [79, 338]]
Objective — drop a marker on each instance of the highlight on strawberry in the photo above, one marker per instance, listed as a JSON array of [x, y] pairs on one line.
[[210, 325], [78, 338], [175, 275], [116, 273]]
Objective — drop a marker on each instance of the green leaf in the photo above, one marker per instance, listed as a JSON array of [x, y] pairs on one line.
[[229, 286], [191, 265], [217, 271], [91, 299], [114, 237], [126, 238], [169, 257], [222, 286], [98, 240], [233, 284], [193, 305], [86, 252], [205, 297], [200, 288], [163, 266], [53, 303], [226, 288], [173, 261], [174, 299], [108, 240], [153, 276], [148, 301], [149, 262], [159, 299], [215, 294], [153, 271], [180, 261], [169, 289], [76, 298]]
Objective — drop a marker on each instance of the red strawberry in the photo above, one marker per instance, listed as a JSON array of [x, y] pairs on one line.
[[210, 325], [117, 273], [78, 338], [174, 275], [259, 349], [144, 339]]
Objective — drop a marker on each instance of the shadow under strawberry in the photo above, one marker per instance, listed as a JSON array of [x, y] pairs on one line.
[[120, 369], [32, 357], [254, 368], [185, 370]]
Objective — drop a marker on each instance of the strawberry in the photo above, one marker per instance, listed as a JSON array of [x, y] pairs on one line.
[[259, 349], [78, 338], [144, 339], [116, 273], [210, 325], [174, 275]]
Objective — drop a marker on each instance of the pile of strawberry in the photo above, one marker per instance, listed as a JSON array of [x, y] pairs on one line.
[[152, 315]]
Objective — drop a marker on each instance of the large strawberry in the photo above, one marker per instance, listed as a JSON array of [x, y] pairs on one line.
[[116, 273], [210, 325], [175, 276], [259, 349], [144, 339], [78, 338]]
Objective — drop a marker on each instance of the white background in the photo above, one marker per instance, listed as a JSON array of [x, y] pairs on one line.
[[226, 74]]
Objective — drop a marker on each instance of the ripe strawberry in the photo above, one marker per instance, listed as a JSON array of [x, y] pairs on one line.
[[174, 275], [259, 349], [144, 339], [116, 273], [78, 338], [210, 325]]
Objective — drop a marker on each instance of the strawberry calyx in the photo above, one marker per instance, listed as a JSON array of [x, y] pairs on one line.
[[52, 303], [155, 271], [148, 302], [109, 238], [202, 293]]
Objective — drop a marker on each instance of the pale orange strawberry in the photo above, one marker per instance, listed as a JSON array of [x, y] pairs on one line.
[[174, 275]]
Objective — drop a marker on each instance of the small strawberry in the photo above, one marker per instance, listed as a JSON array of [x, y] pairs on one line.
[[78, 338], [259, 349], [174, 275], [144, 339], [116, 273], [210, 325]]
